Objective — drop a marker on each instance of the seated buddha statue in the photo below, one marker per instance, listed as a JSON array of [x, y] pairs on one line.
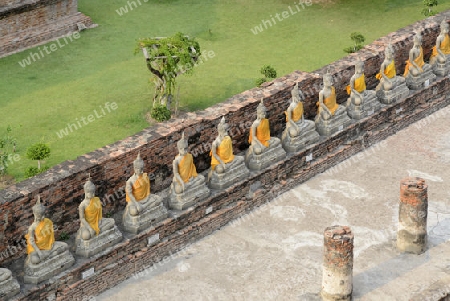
[[439, 58], [226, 168], [362, 102], [143, 208], [299, 131], [187, 185], [391, 87], [43, 250], [96, 233], [331, 117], [264, 149], [9, 286], [417, 72]]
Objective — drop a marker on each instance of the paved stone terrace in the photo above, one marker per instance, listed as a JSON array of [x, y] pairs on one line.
[[275, 252]]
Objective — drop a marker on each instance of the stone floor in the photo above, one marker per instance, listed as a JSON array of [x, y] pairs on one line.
[[275, 252]]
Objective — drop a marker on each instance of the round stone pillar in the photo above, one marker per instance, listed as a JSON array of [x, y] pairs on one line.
[[337, 279], [412, 216]]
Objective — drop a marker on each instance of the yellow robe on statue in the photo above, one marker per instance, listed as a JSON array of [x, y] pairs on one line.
[[224, 151], [262, 132], [330, 102], [360, 85], [43, 236], [140, 188], [389, 71], [93, 214], [297, 112], [186, 168], [444, 47], [418, 60]]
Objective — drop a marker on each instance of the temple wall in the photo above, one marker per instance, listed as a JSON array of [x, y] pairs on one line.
[[61, 187], [26, 23]]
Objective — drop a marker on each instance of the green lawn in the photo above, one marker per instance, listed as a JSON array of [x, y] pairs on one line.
[[99, 67]]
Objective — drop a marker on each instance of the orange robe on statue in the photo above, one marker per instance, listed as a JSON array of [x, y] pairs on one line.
[[140, 188], [297, 112], [418, 60], [330, 102], [224, 151], [93, 214], [262, 132], [444, 47], [186, 168], [389, 71], [43, 236], [360, 85]]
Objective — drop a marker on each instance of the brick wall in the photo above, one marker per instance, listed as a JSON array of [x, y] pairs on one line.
[[61, 187], [29, 23]]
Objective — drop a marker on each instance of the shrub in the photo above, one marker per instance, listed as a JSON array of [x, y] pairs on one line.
[[38, 151], [260, 81], [268, 71], [32, 171], [160, 113]]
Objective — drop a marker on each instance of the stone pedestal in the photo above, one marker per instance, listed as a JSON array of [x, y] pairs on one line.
[[270, 155], [191, 195], [36, 273], [413, 212], [399, 92], [235, 172], [422, 81], [9, 288], [97, 244], [337, 278], [441, 69], [368, 106], [308, 135], [333, 125], [147, 218]]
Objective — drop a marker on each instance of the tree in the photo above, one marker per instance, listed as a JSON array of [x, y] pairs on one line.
[[358, 39], [269, 72], [166, 59], [428, 11], [38, 151], [7, 147]]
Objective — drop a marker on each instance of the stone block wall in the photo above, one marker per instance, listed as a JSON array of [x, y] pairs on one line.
[[27, 23], [61, 187]]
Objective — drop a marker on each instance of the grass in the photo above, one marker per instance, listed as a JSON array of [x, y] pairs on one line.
[[99, 67]]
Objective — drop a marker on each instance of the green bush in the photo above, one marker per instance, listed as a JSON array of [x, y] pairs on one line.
[[428, 11], [32, 171], [260, 81], [160, 113], [268, 71], [38, 151]]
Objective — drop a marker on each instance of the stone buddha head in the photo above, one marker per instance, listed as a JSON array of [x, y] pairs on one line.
[[38, 210], [89, 189], [222, 128], [327, 79], [444, 27], [138, 165], [182, 145], [261, 110], [359, 67], [389, 52], [417, 39]]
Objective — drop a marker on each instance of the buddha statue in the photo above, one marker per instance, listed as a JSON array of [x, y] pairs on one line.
[[418, 74], [96, 233], [264, 150], [226, 168], [439, 59], [299, 132], [143, 209], [9, 286], [391, 88], [331, 117], [361, 102], [187, 187], [46, 257]]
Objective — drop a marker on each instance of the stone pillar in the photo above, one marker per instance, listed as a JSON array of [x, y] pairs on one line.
[[337, 280], [412, 216]]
